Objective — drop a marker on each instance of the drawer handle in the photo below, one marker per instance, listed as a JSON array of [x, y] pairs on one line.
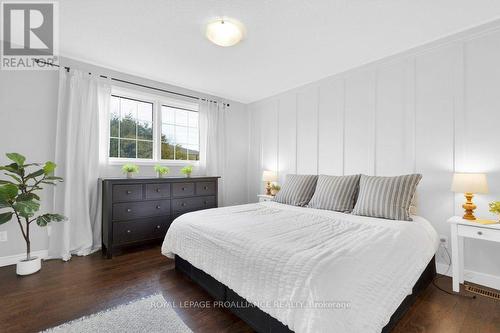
[[205, 187], [183, 189], [128, 231], [205, 202], [479, 233], [183, 204], [129, 210], [158, 227], [158, 190], [129, 192], [158, 207]]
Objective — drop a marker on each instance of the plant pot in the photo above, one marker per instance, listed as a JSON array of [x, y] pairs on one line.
[[130, 175], [188, 175], [27, 267], [160, 175]]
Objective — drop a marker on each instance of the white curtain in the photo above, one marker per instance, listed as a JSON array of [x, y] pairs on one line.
[[213, 142], [81, 150]]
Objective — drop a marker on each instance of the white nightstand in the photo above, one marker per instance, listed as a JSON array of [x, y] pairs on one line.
[[460, 229], [264, 197]]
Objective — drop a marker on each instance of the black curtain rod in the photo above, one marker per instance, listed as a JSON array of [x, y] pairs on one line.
[[38, 61]]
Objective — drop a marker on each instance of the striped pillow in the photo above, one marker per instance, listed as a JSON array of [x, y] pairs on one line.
[[297, 190], [335, 193], [386, 197]]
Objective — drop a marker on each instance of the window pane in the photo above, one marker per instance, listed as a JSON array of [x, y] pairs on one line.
[[128, 108], [114, 117], [113, 148], [167, 151], [193, 138], [181, 134], [181, 117], [145, 149], [167, 115], [145, 112], [193, 153], [180, 152], [128, 148], [193, 119], [114, 122], [128, 128], [145, 130], [168, 133]]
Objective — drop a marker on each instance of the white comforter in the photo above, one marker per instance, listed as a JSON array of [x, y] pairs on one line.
[[295, 263]]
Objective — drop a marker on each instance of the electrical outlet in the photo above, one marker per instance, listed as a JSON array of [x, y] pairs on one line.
[[3, 236], [443, 241]]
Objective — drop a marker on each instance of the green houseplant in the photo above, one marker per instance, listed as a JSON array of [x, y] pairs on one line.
[[495, 207], [275, 188], [187, 170], [19, 199], [130, 169], [161, 170]]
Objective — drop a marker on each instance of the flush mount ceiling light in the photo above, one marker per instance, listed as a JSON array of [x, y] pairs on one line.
[[225, 31]]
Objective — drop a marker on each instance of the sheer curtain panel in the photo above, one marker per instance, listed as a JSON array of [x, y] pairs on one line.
[[81, 152]]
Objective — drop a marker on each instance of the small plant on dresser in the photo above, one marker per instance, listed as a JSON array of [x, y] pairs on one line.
[[161, 170], [187, 170], [19, 197], [129, 169]]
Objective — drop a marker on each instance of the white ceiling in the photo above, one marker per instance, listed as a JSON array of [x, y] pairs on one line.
[[288, 43]]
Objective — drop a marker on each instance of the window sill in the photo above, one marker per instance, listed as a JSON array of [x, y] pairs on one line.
[[113, 161]]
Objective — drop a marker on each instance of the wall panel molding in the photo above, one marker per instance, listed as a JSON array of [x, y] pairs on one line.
[[433, 109]]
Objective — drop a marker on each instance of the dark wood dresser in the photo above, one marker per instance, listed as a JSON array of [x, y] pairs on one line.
[[140, 210]]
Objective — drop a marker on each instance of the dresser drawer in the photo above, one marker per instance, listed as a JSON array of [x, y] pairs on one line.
[[134, 210], [181, 206], [479, 233], [205, 188], [207, 202], [139, 230], [157, 191], [127, 193], [182, 189]]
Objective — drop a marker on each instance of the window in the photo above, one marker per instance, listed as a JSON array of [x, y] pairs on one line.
[[153, 129], [179, 134]]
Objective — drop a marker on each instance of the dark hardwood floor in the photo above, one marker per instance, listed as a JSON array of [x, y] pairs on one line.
[[85, 285]]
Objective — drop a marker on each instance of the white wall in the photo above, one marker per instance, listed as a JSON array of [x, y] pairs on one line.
[[28, 108], [432, 110]]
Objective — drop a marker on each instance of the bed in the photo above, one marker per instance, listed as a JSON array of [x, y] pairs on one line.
[[304, 269]]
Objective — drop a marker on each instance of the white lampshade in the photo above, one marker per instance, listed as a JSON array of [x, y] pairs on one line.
[[269, 176], [225, 32], [469, 183]]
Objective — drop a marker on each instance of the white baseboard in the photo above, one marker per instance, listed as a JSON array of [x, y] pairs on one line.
[[483, 279], [14, 259]]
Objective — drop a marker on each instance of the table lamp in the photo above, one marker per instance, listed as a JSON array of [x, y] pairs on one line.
[[469, 184], [269, 176]]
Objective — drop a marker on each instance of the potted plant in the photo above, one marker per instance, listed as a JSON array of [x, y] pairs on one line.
[[130, 169], [495, 207], [187, 170], [275, 188], [161, 170], [18, 196]]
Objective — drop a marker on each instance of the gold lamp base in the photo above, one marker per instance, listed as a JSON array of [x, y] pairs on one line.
[[469, 207], [268, 188]]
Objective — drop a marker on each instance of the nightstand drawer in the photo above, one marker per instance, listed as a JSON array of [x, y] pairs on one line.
[[479, 233]]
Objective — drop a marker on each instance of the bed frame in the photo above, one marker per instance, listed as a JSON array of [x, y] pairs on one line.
[[263, 322]]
